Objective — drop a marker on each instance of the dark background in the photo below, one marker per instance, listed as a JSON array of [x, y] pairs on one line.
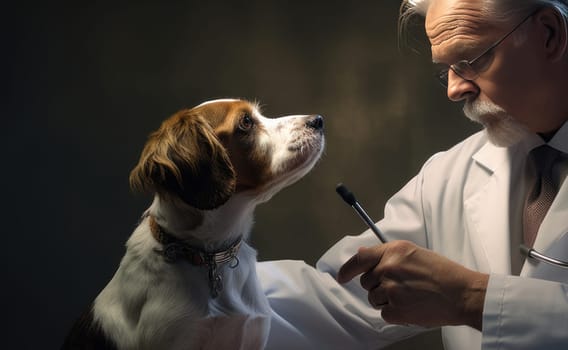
[[88, 81]]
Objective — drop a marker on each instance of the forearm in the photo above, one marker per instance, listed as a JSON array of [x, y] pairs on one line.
[[312, 311]]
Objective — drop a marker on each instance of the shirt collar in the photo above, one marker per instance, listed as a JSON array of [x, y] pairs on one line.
[[559, 141]]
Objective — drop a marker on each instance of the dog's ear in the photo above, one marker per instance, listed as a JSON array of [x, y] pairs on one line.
[[184, 158]]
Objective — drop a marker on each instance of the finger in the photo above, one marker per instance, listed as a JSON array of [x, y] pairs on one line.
[[378, 298], [363, 261], [372, 278], [392, 315]]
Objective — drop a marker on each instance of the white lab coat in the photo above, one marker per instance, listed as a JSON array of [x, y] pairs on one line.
[[463, 204]]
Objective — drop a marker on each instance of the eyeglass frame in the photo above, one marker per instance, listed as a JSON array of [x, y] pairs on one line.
[[443, 74]]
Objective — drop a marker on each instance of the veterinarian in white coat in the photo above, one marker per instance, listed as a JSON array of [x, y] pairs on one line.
[[465, 205]]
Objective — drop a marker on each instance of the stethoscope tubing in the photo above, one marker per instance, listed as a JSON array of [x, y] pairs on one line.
[[531, 253]]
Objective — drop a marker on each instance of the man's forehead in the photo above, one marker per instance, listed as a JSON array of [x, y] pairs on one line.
[[454, 16], [449, 22]]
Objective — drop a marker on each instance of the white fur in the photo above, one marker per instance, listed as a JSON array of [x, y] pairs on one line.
[[290, 142], [152, 304]]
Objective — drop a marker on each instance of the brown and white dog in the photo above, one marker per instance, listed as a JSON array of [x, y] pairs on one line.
[[188, 279]]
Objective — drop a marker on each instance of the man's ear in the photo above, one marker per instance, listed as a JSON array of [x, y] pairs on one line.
[[184, 158], [554, 32]]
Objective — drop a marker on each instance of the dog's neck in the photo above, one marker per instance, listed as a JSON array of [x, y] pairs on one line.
[[208, 229]]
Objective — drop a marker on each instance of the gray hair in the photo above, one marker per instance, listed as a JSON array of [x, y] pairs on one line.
[[497, 10]]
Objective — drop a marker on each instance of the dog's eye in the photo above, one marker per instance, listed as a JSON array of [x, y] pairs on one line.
[[246, 122]]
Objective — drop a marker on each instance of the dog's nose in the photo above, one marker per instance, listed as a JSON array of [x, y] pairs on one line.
[[315, 122]]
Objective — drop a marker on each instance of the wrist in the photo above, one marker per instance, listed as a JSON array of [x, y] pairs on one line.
[[474, 299]]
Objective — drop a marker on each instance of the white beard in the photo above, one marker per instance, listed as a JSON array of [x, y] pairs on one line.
[[502, 129]]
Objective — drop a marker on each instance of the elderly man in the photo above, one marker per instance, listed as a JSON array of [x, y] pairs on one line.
[[455, 229]]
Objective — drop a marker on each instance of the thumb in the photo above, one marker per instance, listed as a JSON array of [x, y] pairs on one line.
[[363, 261]]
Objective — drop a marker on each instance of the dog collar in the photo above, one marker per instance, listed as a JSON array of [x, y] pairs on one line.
[[174, 249]]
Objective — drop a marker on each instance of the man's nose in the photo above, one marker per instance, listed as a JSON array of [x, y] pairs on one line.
[[459, 88]]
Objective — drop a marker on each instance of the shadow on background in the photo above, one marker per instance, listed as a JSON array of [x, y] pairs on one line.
[[88, 81]]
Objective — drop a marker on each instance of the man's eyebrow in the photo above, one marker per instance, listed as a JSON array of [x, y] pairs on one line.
[[461, 52]]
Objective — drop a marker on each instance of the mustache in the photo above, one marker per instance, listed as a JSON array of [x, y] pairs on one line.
[[482, 111], [502, 129]]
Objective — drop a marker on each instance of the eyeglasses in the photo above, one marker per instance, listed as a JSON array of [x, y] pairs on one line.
[[469, 70]]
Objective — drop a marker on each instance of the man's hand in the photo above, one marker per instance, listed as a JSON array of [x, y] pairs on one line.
[[413, 285]]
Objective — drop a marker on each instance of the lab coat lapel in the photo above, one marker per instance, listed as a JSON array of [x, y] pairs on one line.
[[487, 207]]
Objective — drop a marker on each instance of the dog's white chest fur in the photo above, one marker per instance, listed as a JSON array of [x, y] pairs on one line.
[[152, 304]]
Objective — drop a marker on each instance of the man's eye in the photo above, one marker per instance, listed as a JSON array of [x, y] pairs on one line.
[[482, 63], [440, 71]]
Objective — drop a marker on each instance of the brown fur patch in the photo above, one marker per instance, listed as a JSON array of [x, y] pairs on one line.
[[252, 166], [184, 158]]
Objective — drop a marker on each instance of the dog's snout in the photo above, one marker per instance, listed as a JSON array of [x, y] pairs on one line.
[[315, 122]]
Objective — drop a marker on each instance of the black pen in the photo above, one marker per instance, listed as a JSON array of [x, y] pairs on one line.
[[349, 198]]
